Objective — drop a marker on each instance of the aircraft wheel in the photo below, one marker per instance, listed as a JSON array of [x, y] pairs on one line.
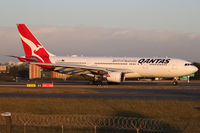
[[99, 83], [175, 83]]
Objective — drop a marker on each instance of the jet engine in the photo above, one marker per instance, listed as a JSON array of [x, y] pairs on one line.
[[116, 77]]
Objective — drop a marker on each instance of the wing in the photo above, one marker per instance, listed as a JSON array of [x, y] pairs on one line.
[[72, 69]]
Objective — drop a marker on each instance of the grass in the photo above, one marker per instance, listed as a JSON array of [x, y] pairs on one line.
[[173, 112], [158, 109]]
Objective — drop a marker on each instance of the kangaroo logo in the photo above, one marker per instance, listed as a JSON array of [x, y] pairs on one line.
[[34, 47]]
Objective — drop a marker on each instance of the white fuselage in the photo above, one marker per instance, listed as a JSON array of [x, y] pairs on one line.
[[139, 67]]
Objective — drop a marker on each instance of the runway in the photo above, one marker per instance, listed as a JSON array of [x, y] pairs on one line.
[[127, 90]]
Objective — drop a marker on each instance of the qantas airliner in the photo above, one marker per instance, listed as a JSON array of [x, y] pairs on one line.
[[97, 69]]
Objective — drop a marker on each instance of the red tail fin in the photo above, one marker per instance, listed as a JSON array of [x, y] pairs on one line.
[[32, 47]]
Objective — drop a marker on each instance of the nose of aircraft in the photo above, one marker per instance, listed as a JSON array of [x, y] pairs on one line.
[[193, 69]]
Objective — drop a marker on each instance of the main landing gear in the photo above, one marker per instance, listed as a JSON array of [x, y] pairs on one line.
[[94, 80], [97, 80]]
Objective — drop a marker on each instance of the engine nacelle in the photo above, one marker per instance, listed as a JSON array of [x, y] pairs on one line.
[[116, 77]]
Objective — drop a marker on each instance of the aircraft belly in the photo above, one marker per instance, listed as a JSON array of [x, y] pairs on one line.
[[156, 71]]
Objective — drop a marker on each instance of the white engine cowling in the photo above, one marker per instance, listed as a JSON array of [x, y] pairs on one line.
[[116, 77]]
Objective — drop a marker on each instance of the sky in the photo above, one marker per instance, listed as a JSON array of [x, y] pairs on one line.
[[105, 27]]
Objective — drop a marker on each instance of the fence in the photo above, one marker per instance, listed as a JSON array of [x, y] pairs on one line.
[[89, 121]]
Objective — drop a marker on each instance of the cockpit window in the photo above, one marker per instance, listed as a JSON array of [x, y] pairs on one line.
[[187, 64]]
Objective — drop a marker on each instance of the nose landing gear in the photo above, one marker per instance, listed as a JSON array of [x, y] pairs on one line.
[[175, 81]]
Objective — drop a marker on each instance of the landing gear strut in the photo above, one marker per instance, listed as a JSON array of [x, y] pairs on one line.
[[175, 81]]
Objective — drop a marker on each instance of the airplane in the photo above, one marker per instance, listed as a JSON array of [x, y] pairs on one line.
[[98, 69]]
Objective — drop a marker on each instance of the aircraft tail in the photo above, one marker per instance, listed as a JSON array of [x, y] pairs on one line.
[[32, 47]]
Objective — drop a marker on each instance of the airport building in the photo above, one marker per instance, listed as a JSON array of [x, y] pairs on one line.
[[35, 72], [3, 68]]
